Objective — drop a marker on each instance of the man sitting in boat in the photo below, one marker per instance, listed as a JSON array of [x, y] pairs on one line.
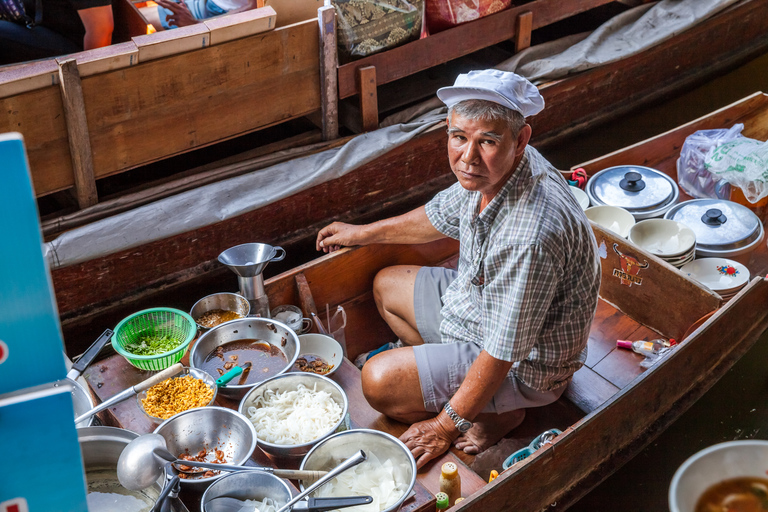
[[507, 330]]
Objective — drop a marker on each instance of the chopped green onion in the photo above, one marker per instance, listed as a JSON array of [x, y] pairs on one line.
[[152, 344]]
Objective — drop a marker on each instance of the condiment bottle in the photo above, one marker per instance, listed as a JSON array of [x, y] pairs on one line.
[[646, 348], [450, 481], [442, 501], [459, 499]]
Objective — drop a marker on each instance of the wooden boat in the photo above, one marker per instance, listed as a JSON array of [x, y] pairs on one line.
[[611, 409], [120, 120]]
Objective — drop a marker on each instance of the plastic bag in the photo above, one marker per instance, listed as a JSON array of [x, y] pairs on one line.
[[369, 26], [743, 163], [443, 14], [336, 326], [692, 174]]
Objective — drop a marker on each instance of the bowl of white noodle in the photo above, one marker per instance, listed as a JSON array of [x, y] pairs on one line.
[[293, 411], [259, 491], [387, 475]]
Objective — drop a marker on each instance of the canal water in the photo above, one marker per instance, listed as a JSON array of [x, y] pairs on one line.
[[736, 407]]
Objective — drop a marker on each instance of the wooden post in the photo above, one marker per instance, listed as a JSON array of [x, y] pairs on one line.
[[523, 27], [77, 133], [369, 102], [329, 78], [305, 294]]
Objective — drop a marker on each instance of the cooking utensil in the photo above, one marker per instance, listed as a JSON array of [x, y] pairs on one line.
[[209, 428], [138, 388], [263, 329], [170, 491], [224, 301], [291, 474], [318, 323], [138, 467], [227, 504], [384, 446], [81, 397], [642, 191], [290, 382], [354, 460]]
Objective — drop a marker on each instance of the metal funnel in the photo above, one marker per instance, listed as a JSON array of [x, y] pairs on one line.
[[249, 260]]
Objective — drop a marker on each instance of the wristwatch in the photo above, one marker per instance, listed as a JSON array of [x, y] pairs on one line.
[[461, 424]]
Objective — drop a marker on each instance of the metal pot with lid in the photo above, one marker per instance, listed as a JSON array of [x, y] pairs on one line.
[[642, 191], [723, 228]]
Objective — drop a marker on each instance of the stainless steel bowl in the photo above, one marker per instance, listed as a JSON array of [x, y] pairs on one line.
[[246, 328], [290, 382], [332, 450], [248, 485], [101, 448], [194, 372], [225, 301], [209, 428]]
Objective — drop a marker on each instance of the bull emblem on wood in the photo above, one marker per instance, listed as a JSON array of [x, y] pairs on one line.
[[630, 268]]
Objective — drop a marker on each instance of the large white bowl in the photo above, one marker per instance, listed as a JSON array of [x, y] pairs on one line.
[[612, 218], [734, 459], [581, 196], [663, 237]]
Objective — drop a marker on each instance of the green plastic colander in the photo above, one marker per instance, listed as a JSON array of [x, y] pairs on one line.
[[156, 321]]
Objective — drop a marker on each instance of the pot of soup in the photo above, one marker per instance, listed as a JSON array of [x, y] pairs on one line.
[[262, 347], [101, 448]]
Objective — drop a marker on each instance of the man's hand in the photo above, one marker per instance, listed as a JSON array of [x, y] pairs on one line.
[[181, 16], [430, 438], [337, 235]]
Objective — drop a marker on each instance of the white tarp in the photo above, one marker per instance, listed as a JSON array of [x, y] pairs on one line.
[[213, 203]]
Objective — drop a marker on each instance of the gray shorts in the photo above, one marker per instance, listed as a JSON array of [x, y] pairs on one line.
[[443, 366]]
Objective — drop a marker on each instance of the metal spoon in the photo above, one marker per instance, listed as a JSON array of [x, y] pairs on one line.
[[292, 474], [138, 467]]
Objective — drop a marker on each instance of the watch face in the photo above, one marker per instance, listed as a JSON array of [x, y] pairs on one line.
[[464, 426]]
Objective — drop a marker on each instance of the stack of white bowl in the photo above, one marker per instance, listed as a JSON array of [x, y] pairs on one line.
[[670, 240], [612, 218], [723, 276]]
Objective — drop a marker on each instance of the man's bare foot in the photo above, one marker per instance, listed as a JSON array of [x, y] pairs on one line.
[[487, 430]]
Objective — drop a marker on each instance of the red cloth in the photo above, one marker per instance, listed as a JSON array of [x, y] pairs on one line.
[[443, 14]]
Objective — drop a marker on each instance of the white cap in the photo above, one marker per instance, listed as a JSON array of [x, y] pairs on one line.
[[502, 87]]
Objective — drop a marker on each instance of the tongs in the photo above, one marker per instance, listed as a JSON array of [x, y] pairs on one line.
[[227, 504]]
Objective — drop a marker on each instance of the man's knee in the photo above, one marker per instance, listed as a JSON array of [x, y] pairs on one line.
[[376, 383]]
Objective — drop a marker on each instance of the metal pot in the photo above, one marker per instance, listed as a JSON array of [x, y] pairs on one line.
[[243, 329], [81, 397], [101, 448], [724, 229], [642, 191]]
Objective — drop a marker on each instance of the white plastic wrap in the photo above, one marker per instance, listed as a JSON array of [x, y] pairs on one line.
[[743, 163], [692, 175]]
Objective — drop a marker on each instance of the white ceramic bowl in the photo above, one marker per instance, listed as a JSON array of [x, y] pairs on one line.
[[663, 237], [718, 274], [324, 346], [734, 459], [581, 197], [611, 218]]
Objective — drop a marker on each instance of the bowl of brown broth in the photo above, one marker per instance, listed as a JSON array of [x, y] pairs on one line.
[[730, 476], [263, 347]]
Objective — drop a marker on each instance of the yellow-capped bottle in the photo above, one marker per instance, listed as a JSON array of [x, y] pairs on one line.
[[450, 481]]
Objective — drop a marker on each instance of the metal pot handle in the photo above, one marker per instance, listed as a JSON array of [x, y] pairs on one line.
[[281, 256], [89, 355]]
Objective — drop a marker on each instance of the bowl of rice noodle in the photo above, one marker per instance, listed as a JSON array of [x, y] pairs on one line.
[[387, 475], [293, 411], [259, 491]]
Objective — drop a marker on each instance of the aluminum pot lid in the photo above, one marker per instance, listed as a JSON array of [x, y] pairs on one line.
[[642, 191], [720, 225]]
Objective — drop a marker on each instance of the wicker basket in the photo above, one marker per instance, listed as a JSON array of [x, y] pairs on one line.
[[160, 321]]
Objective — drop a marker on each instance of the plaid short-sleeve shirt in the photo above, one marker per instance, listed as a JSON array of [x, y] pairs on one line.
[[528, 273]]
